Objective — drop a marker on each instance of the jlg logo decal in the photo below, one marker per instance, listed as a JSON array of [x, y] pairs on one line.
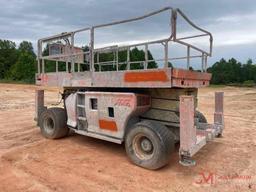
[[123, 102]]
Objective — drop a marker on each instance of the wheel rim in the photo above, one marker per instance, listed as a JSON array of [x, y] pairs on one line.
[[48, 125], [143, 146]]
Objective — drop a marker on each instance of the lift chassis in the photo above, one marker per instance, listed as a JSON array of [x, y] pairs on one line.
[[149, 109]]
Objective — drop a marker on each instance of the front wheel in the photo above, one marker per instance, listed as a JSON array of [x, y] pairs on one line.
[[52, 123], [149, 144]]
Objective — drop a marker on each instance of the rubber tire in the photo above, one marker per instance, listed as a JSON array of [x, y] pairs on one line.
[[201, 117], [161, 138], [59, 118]]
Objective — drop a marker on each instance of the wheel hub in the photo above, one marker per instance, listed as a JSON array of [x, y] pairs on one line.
[[146, 145], [143, 147]]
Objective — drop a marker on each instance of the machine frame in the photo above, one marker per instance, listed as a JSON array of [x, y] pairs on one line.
[[171, 92]]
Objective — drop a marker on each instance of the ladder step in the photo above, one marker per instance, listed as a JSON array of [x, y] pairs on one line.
[[81, 106], [80, 93], [81, 118]]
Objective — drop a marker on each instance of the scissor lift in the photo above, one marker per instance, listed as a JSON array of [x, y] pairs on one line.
[[148, 109]]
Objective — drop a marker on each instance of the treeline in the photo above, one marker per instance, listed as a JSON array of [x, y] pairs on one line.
[[233, 72], [18, 63]]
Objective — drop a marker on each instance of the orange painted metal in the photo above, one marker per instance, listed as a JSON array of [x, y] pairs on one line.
[[134, 77], [108, 125], [185, 78], [192, 75]]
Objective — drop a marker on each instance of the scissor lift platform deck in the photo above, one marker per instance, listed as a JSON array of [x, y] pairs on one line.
[[151, 78]]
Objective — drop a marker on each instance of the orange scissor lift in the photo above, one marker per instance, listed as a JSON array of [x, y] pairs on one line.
[[149, 109]]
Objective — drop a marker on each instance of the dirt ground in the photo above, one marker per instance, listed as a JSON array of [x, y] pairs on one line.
[[29, 162]]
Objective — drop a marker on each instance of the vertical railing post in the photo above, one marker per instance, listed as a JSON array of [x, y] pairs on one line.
[[128, 58], [38, 65], [66, 66], [117, 59], [211, 40], [188, 57], [92, 50], [57, 66], [72, 53], [146, 56], [98, 61], [39, 47], [166, 56], [43, 66], [78, 67], [173, 23], [203, 62]]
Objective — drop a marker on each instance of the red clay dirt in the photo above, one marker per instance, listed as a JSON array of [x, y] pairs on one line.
[[29, 162]]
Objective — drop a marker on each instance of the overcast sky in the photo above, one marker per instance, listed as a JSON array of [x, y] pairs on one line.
[[232, 22]]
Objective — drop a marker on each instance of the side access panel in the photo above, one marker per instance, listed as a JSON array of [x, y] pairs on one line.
[[104, 113], [108, 113]]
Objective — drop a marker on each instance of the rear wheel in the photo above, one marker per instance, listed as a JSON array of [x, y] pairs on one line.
[[149, 144], [53, 123]]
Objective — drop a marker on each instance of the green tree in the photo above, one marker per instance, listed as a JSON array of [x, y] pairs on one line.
[[26, 46], [8, 56], [25, 67], [248, 71], [232, 71]]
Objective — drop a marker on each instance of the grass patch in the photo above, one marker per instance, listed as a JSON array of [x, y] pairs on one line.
[[248, 83], [217, 86], [15, 82]]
